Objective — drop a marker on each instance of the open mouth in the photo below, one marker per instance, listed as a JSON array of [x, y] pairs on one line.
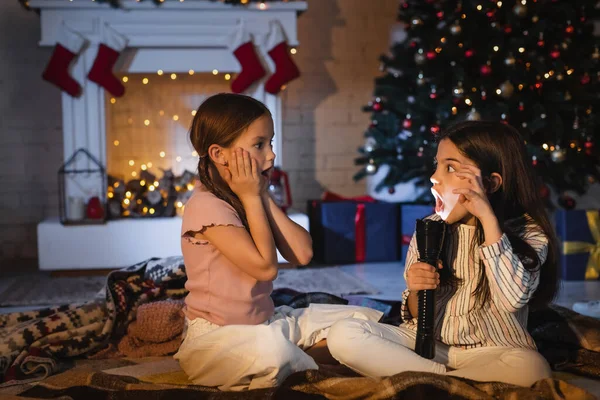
[[267, 172], [439, 202]]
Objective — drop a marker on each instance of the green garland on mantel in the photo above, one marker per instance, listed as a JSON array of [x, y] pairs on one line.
[[117, 3]]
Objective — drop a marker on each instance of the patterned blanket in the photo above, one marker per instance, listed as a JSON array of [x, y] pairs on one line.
[[50, 346]]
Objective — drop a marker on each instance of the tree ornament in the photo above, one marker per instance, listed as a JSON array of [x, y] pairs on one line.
[[558, 155], [568, 96], [473, 115], [520, 10], [555, 53], [377, 106], [585, 79], [370, 144], [485, 70], [407, 123], [469, 53], [569, 29], [430, 55], [435, 129], [596, 54], [420, 79], [510, 60], [566, 202], [420, 57], [455, 29], [506, 89], [544, 191]]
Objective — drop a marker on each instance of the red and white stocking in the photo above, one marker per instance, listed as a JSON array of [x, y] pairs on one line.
[[108, 53], [252, 69], [69, 44], [285, 68]]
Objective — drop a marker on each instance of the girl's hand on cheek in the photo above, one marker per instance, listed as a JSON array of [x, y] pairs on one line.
[[242, 175]]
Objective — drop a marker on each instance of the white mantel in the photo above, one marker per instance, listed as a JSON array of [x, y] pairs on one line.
[[176, 36]]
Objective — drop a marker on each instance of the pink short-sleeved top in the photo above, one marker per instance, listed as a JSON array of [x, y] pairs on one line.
[[219, 291]]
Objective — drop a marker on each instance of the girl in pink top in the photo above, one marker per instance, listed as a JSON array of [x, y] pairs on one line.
[[235, 338]]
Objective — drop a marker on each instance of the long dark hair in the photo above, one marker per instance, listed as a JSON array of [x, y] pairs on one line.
[[497, 147], [220, 120]]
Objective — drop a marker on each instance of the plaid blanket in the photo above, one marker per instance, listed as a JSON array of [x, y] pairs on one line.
[[161, 378], [49, 345], [36, 344]]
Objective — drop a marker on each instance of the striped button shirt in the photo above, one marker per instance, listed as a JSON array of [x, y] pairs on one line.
[[503, 320]]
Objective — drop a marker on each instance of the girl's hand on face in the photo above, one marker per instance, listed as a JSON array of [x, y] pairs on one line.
[[422, 276], [474, 197], [242, 175]]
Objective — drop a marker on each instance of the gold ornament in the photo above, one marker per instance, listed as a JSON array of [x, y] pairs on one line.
[[473, 115], [510, 60], [506, 89], [455, 29], [558, 156], [596, 54]]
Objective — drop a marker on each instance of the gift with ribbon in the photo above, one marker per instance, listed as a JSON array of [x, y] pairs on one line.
[[579, 234], [353, 230]]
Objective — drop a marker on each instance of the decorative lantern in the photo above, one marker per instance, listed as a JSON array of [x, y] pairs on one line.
[[81, 190]]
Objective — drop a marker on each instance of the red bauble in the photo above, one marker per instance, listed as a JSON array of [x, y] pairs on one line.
[[555, 54], [485, 70], [430, 55], [469, 53], [440, 14], [94, 209], [567, 202], [585, 79], [435, 129], [544, 192], [413, 44], [569, 29], [377, 106], [507, 29], [490, 13], [541, 43], [588, 145], [407, 123], [433, 96]]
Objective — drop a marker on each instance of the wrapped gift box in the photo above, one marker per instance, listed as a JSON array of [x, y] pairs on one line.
[[579, 238]]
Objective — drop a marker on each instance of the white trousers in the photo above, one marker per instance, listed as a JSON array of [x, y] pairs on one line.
[[374, 349], [240, 357]]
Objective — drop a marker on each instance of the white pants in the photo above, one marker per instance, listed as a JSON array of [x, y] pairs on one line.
[[374, 349], [240, 357]]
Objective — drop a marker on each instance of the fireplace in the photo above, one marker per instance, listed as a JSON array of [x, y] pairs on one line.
[[177, 55]]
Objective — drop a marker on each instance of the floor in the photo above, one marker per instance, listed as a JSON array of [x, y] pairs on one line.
[[388, 278]]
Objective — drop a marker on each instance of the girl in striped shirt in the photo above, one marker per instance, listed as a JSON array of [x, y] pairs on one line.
[[499, 258]]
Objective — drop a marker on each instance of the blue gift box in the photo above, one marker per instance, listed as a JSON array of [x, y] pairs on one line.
[[333, 228], [573, 226], [409, 213]]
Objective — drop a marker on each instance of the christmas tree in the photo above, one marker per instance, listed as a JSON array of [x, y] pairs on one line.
[[531, 63]]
